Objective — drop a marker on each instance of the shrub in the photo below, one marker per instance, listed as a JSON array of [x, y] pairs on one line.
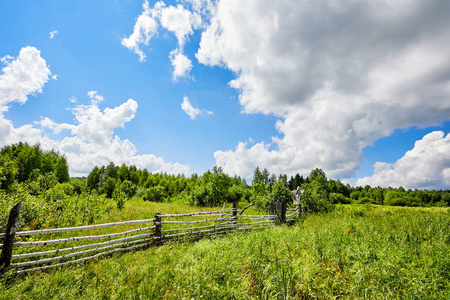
[[315, 198], [154, 194], [120, 197], [337, 198]]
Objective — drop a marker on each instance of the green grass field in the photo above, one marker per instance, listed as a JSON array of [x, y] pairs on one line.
[[357, 252]]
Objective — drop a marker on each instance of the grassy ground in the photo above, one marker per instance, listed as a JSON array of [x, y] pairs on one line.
[[358, 252]]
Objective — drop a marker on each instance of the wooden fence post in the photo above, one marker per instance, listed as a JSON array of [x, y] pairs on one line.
[[279, 209], [272, 209], [235, 215], [5, 258], [283, 212], [157, 223]]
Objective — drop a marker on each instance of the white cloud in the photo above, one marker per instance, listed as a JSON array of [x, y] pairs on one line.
[[189, 109], [53, 33], [427, 165], [144, 29], [339, 76], [95, 97], [94, 125], [181, 64], [26, 75], [180, 21], [92, 141], [26, 133]]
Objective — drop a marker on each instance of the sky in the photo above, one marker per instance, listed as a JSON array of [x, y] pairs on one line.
[[360, 89]]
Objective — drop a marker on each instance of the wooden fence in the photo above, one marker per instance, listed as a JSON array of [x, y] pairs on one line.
[[50, 248]]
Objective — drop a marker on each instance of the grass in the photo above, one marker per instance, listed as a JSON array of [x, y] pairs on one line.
[[357, 252]]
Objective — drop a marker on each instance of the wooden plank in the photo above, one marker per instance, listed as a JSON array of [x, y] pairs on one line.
[[262, 222], [199, 231], [193, 214], [195, 222], [193, 228], [66, 240], [54, 230], [258, 216], [81, 259], [51, 259], [56, 251]]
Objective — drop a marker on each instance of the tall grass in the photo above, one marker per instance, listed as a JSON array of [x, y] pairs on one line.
[[357, 252]]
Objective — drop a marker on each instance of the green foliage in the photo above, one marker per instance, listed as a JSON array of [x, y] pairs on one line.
[[279, 192], [120, 197], [155, 194], [337, 198], [21, 162], [315, 198], [128, 188], [8, 172], [58, 206], [109, 186]]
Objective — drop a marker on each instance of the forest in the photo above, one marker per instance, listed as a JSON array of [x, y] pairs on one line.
[[41, 179]]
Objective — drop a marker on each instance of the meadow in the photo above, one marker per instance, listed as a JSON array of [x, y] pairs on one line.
[[356, 252]]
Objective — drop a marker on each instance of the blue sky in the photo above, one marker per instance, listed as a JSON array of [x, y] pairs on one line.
[[289, 87]]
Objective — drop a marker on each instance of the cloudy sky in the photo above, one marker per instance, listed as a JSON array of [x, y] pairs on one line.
[[360, 89]]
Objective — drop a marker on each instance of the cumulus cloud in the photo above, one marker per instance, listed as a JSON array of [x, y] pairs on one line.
[[180, 21], [22, 76], [181, 64], [426, 166], [338, 75], [144, 29], [177, 20], [191, 111]]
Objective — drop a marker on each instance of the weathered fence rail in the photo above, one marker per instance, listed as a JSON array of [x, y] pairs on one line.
[[50, 248]]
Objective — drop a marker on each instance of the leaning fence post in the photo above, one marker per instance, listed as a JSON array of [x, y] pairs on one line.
[[235, 216], [157, 223], [5, 258]]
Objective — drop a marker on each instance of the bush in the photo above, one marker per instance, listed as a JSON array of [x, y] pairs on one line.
[[120, 197], [337, 198], [315, 198], [128, 188], [199, 196], [154, 194], [364, 200]]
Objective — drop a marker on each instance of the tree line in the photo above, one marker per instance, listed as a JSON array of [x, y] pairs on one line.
[[38, 171]]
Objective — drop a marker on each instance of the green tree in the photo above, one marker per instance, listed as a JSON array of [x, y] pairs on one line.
[[62, 170], [8, 172], [316, 194], [93, 179], [109, 186], [128, 188], [154, 194]]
